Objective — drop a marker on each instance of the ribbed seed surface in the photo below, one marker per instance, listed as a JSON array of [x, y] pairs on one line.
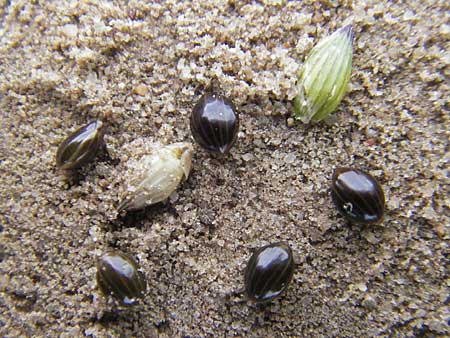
[[118, 275], [214, 123], [80, 147], [357, 196], [269, 272]]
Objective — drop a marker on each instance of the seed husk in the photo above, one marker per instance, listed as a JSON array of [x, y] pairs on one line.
[[161, 173], [324, 77]]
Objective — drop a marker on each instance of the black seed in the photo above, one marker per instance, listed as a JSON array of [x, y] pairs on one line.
[[269, 272], [214, 123], [80, 147], [357, 196], [118, 275]]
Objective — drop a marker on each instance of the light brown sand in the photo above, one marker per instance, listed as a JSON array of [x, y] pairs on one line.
[[64, 62]]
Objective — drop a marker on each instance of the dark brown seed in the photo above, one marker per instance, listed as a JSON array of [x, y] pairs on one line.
[[80, 147], [214, 123], [118, 275], [357, 196], [269, 272]]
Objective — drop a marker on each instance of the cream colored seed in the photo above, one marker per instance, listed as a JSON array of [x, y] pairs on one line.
[[165, 168]]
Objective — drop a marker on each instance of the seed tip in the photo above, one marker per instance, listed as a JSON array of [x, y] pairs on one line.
[[348, 31], [123, 205]]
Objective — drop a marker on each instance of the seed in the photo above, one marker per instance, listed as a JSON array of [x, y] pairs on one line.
[[357, 196], [269, 272], [324, 76], [162, 173], [80, 147], [215, 123], [118, 275]]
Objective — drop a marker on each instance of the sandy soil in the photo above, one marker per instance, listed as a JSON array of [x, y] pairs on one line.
[[62, 63]]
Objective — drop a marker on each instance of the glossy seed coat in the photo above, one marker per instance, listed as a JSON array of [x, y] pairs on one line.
[[80, 147], [357, 196], [118, 275], [269, 271], [214, 123]]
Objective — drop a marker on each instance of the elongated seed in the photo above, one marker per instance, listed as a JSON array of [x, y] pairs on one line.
[[324, 76], [80, 147]]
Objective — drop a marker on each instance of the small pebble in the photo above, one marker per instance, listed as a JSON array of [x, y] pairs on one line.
[[141, 90], [247, 157]]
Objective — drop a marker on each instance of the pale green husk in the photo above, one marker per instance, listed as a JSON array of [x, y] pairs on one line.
[[324, 77]]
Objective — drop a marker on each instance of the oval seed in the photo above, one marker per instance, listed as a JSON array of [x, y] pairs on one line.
[[214, 123], [324, 76], [80, 147], [269, 272], [164, 170], [118, 275], [357, 196]]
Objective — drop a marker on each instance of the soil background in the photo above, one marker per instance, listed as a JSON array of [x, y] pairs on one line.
[[143, 65]]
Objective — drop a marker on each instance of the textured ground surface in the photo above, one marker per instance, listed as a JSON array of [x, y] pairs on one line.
[[64, 62]]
